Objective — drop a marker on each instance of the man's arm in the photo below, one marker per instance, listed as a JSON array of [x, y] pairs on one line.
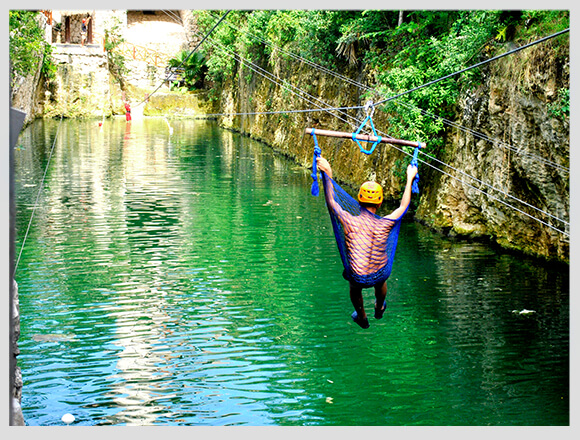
[[324, 166], [411, 173]]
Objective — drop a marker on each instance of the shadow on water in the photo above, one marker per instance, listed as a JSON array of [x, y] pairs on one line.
[[189, 278]]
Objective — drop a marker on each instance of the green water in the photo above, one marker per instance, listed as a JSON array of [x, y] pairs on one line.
[[191, 279]]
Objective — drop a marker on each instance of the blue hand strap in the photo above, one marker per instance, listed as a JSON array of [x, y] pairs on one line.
[[414, 163], [315, 190]]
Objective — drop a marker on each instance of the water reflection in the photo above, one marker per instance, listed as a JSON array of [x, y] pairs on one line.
[[197, 282]]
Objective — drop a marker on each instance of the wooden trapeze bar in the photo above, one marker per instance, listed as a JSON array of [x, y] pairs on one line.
[[362, 137]]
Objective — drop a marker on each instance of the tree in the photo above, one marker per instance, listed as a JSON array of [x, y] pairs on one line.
[[113, 39], [27, 46]]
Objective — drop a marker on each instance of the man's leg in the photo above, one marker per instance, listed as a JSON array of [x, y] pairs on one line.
[[380, 295], [359, 316]]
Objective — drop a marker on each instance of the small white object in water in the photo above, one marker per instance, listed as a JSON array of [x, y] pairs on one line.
[[68, 418], [523, 312]]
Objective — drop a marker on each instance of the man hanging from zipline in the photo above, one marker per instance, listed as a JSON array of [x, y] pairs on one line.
[[366, 241]]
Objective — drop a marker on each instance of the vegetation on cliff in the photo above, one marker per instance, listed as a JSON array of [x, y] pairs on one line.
[[404, 48], [27, 46]]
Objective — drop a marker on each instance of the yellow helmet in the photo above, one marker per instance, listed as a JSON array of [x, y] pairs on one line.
[[370, 192]]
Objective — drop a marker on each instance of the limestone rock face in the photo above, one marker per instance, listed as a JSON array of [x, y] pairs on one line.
[[83, 86], [523, 170]]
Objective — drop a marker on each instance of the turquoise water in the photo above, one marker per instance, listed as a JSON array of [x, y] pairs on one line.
[[191, 279]]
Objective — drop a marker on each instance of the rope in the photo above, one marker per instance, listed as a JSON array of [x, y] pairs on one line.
[[367, 119], [487, 138], [309, 110], [415, 187], [37, 197], [483, 183], [363, 86], [315, 190], [490, 186], [283, 83], [488, 194], [279, 81]]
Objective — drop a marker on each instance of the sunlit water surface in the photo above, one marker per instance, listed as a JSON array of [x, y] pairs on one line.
[[191, 279]]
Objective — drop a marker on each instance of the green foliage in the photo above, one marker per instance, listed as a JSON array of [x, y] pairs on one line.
[[221, 43], [263, 36], [48, 69], [193, 66], [27, 46], [319, 36], [544, 22], [561, 108], [405, 49], [431, 46]]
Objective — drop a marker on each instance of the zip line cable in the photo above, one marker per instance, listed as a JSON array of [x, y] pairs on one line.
[[37, 197], [249, 64], [283, 83], [446, 121], [483, 183], [311, 99], [517, 49], [268, 75], [487, 138], [488, 194], [433, 158], [177, 19], [58, 128], [309, 110], [302, 59]]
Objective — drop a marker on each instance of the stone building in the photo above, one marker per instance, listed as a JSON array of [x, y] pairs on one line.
[[149, 39], [67, 26], [166, 32]]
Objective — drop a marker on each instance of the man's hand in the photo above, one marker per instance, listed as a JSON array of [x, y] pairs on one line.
[[323, 165], [411, 172]]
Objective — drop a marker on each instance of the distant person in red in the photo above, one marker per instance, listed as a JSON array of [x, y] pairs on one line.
[[127, 112]]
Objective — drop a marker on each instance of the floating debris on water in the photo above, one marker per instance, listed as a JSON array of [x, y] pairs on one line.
[[523, 312], [68, 418], [55, 337]]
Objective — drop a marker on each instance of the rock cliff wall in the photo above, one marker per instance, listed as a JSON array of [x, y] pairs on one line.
[[528, 159]]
